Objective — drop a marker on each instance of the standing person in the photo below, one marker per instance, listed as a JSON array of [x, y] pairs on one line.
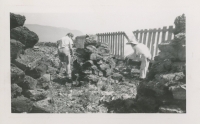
[[64, 48], [143, 50]]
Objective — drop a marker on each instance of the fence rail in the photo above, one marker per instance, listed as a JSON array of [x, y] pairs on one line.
[[153, 37], [116, 40]]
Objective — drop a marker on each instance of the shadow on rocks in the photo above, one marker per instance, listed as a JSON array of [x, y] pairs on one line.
[[121, 106], [62, 81]]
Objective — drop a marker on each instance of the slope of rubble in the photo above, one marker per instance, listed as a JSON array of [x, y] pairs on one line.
[[100, 83]]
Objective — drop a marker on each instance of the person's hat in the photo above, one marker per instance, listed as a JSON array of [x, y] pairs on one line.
[[132, 40]]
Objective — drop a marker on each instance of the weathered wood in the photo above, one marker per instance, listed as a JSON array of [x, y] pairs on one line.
[[141, 34], [136, 34], [123, 44], [170, 31], [153, 43], [149, 39], [158, 39], [121, 54], [164, 30], [119, 44], [145, 35]]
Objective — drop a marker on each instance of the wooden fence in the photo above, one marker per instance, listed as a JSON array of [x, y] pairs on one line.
[[115, 41], [153, 37]]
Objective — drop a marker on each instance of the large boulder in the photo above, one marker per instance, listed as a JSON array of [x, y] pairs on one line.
[[179, 92], [180, 23], [29, 60], [36, 95], [15, 90], [43, 106], [21, 104], [16, 20], [16, 48], [17, 75], [43, 82], [25, 36], [38, 71], [29, 83]]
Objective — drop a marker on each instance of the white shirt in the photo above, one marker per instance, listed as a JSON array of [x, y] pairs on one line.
[[64, 42], [141, 49]]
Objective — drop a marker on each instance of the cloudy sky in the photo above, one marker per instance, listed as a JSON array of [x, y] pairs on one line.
[[107, 16]]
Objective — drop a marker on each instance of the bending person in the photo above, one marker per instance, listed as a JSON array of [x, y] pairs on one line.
[[143, 50]]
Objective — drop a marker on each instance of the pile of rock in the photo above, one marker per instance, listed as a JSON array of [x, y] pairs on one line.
[[166, 90], [29, 80], [94, 62]]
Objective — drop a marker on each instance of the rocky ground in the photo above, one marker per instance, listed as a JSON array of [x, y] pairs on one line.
[[54, 93], [100, 83]]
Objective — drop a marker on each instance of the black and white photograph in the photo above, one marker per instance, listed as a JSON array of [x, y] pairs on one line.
[[127, 57]]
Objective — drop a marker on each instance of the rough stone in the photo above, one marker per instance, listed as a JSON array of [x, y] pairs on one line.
[[180, 23], [16, 20], [36, 95], [179, 92], [43, 106], [38, 71], [117, 76], [15, 90], [25, 36], [169, 78], [170, 109], [16, 48], [21, 104], [43, 82], [17, 75], [29, 83], [178, 67]]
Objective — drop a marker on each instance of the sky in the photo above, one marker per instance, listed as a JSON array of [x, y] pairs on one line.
[[92, 17]]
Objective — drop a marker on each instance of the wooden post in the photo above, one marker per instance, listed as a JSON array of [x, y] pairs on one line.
[[145, 35], [141, 34], [136, 34], [112, 40], [149, 39], [123, 44], [153, 43], [164, 30], [119, 44], [170, 31], [116, 44], [158, 39]]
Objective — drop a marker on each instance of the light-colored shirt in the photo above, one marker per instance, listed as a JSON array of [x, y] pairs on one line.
[[65, 42], [141, 49]]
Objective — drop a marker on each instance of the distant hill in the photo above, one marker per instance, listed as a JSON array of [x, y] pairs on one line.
[[50, 34]]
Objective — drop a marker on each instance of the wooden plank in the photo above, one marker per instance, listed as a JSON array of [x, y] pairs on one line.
[[164, 30], [136, 34], [158, 39], [119, 44], [145, 35], [153, 43], [170, 31], [149, 39], [121, 47], [141, 34], [113, 47], [123, 44]]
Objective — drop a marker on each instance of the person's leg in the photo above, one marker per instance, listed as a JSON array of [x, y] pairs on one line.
[[67, 61], [69, 66], [60, 63], [143, 67]]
